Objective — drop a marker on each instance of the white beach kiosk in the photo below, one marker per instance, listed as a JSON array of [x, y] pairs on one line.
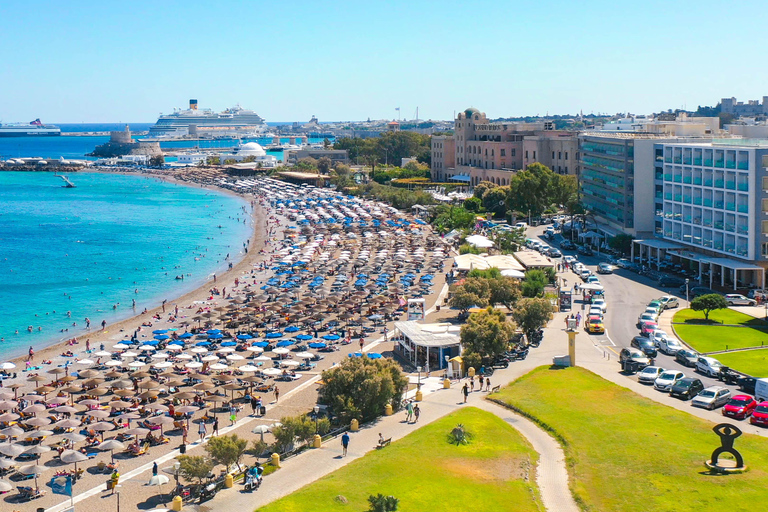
[[427, 345]]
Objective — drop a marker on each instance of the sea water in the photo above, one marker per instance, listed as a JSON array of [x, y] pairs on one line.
[[71, 253]]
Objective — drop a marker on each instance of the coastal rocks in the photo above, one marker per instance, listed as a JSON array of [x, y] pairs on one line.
[[122, 144]]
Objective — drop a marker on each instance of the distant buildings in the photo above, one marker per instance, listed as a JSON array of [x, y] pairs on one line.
[[750, 108], [292, 156], [480, 150]]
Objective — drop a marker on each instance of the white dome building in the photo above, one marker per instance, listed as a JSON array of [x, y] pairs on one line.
[[251, 152]]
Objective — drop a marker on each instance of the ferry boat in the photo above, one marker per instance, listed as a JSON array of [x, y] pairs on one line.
[[207, 122], [34, 129]]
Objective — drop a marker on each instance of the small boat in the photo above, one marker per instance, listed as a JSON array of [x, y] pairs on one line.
[[67, 183]]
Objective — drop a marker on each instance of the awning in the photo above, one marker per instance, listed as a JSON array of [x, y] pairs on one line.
[[460, 177]]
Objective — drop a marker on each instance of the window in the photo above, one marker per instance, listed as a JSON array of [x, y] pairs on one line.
[[559, 155], [503, 152], [553, 155], [513, 151], [534, 155], [526, 154], [566, 169], [765, 227], [566, 155]]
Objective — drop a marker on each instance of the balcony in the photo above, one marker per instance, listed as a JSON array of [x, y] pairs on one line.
[[678, 197], [668, 196], [668, 176], [697, 161], [678, 179], [744, 166], [719, 163], [719, 204], [687, 199]]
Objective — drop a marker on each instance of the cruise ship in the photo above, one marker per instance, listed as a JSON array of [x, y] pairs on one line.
[[33, 129], [235, 121]]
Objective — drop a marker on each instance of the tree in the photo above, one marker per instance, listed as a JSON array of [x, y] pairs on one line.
[[324, 165], [157, 161], [487, 333], [708, 303], [226, 450], [381, 503], [360, 387], [534, 283], [473, 204], [621, 242], [495, 200], [504, 290], [307, 164], [326, 143], [463, 299], [531, 314], [510, 241], [194, 467], [482, 187]]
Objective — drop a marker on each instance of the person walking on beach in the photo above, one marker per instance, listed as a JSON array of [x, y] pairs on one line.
[[87, 323], [344, 443], [215, 429], [416, 412], [184, 432], [465, 391], [88, 346], [31, 354], [201, 430], [277, 393], [103, 324], [232, 415], [154, 468]]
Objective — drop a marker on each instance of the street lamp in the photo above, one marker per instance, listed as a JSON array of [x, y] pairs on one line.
[[317, 410], [418, 385], [687, 300]]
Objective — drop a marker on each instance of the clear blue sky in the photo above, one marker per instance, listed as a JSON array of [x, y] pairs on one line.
[[105, 61]]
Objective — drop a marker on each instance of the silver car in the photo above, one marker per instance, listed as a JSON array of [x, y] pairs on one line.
[[668, 379], [712, 397], [649, 374]]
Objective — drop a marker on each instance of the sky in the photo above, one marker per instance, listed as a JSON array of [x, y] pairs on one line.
[[97, 61]]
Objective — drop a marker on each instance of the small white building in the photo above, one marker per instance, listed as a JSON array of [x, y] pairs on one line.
[[193, 158], [427, 345]]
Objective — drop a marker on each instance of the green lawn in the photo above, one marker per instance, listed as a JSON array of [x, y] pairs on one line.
[[493, 473], [723, 316], [710, 338], [751, 362], [628, 453]]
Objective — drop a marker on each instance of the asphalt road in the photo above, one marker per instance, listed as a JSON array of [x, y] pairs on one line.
[[627, 295]]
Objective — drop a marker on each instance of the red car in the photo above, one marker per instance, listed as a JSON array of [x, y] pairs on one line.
[[760, 415], [739, 407], [647, 327]]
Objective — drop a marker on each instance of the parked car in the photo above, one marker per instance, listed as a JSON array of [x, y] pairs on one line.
[[752, 294], [760, 415], [543, 249], [670, 346], [669, 302], [632, 359], [554, 253], [649, 374], [687, 357], [734, 299], [686, 388], [567, 245], [521, 225], [644, 344], [667, 379], [671, 282], [593, 280], [595, 325], [708, 366], [585, 250], [646, 317], [604, 268], [600, 303], [698, 291], [569, 259], [712, 397], [623, 263], [595, 311], [739, 407], [656, 336], [656, 305], [647, 327], [585, 273]]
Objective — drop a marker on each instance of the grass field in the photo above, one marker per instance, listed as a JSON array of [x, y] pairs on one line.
[[495, 472], [710, 338], [628, 453], [721, 316], [751, 362]]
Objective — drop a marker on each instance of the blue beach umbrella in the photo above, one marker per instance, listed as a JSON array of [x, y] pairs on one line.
[[160, 331], [355, 354], [292, 328], [244, 336], [331, 337], [216, 336], [261, 344], [273, 335], [229, 344], [161, 337], [176, 342], [317, 344], [303, 337], [186, 335], [285, 343], [202, 343], [213, 331], [374, 355]]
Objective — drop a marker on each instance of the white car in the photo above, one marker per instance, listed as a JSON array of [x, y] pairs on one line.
[[653, 312], [601, 304], [708, 366], [670, 346], [544, 249], [668, 302], [569, 259], [656, 336], [593, 280], [646, 317], [596, 310], [649, 374], [585, 273], [712, 397], [668, 379], [734, 299]]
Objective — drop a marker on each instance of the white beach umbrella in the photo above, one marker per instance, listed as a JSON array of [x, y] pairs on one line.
[[194, 364], [114, 362]]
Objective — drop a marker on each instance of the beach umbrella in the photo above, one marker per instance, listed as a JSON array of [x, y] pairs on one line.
[[102, 426], [98, 413], [74, 437], [34, 408], [85, 362], [254, 349], [184, 357], [36, 378], [5, 485], [121, 346], [136, 364], [150, 393], [65, 409], [262, 358], [57, 400], [32, 469], [194, 364], [260, 429], [185, 409], [162, 364], [184, 395], [137, 431], [149, 384], [305, 355], [113, 362], [111, 445], [199, 350], [7, 366], [72, 457], [272, 371], [97, 391], [124, 392], [67, 423], [202, 386], [218, 366], [235, 357], [6, 405], [103, 353], [280, 351], [210, 358], [290, 362], [161, 420], [129, 353], [374, 355], [12, 431], [146, 347], [248, 368], [157, 407], [88, 374], [7, 417], [38, 422], [11, 449], [55, 371]]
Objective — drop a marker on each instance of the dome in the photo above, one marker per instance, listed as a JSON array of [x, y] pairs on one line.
[[251, 149], [471, 111]]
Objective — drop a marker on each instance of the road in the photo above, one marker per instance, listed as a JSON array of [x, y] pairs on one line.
[[627, 295]]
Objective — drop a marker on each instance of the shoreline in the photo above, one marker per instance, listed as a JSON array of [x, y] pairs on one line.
[[53, 350]]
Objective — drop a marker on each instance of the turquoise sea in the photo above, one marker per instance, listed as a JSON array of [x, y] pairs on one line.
[[87, 249]]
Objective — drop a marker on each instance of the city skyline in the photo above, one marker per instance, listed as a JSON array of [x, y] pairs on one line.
[[351, 61]]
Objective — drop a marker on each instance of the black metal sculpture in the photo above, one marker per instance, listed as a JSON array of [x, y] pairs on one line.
[[728, 434]]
